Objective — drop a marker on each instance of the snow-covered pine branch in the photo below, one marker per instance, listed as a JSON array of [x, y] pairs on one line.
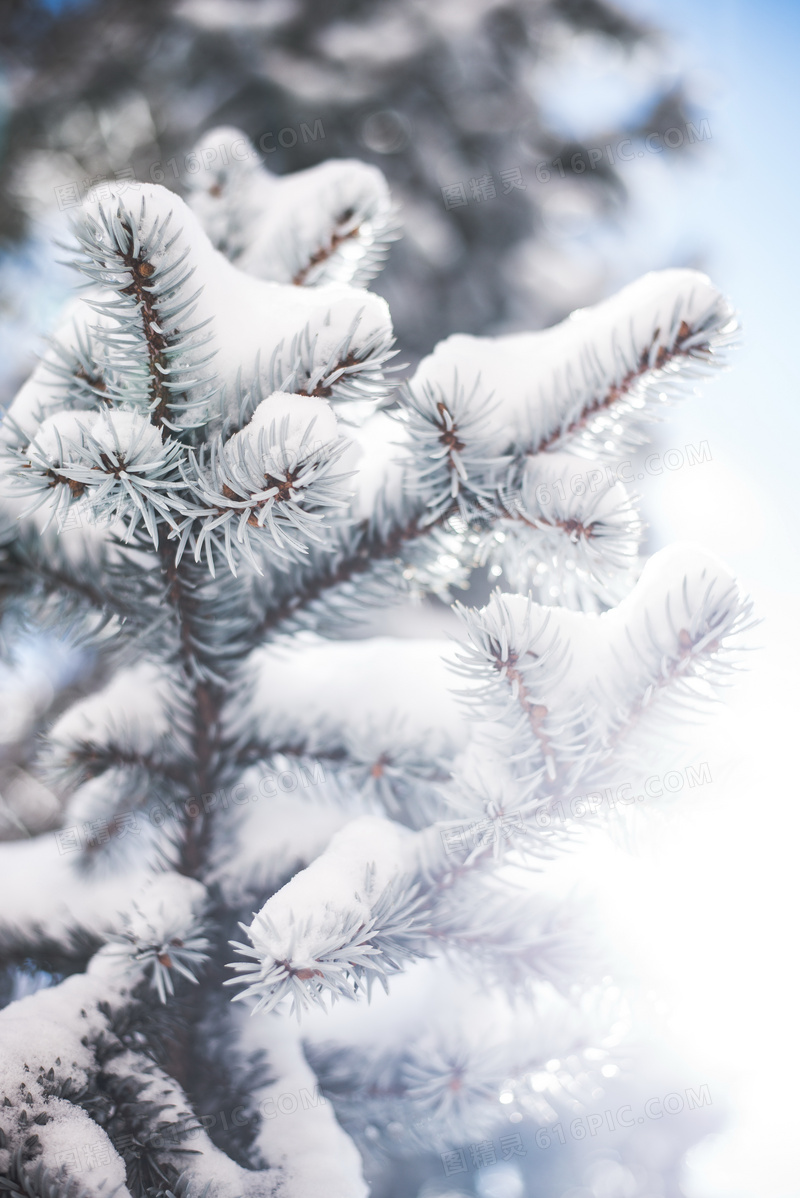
[[152, 270], [329, 701], [493, 432], [588, 386], [561, 696], [574, 692], [333, 223], [209, 481]]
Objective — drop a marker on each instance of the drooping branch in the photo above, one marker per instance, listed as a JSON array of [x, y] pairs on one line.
[[589, 385], [686, 344], [344, 231]]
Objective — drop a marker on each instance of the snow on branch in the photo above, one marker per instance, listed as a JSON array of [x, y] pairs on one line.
[[517, 660], [307, 1149], [379, 897], [168, 338], [83, 1094], [512, 938], [452, 436], [566, 690], [386, 546], [333, 223], [556, 693], [587, 386], [141, 264], [378, 713], [138, 720], [671, 646], [489, 438], [275, 476], [274, 820], [83, 1100], [347, 920], [114, 460], [85, 909]]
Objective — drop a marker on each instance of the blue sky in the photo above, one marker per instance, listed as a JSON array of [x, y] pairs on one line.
[[743, 212]]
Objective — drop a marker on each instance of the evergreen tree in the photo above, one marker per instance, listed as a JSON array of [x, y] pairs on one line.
[[212, 477]]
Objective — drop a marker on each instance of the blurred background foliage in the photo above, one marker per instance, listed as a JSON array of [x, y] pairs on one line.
[[437, 93]]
